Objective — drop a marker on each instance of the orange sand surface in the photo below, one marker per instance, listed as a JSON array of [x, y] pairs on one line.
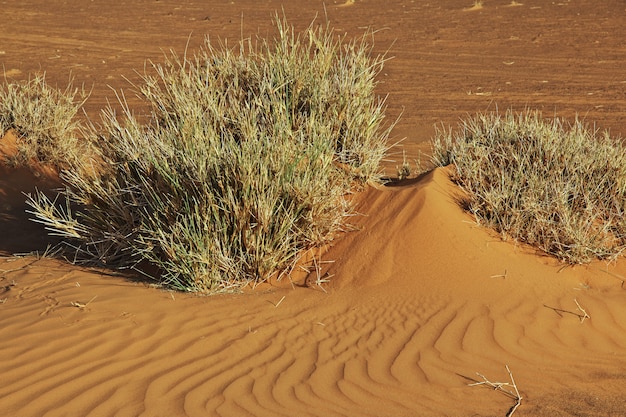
[[419, 298]]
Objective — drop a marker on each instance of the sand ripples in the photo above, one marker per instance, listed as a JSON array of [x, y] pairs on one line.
[[358, 356], [404, 344]]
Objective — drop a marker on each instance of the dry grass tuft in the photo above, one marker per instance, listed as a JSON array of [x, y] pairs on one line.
[[245, 163], [557, 186], [44, 121]]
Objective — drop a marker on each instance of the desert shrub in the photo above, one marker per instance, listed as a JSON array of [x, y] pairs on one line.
[[558, 186], [246, 161], [43, 119]]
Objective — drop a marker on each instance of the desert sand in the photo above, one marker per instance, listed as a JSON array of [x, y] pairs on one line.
[[419, 297]]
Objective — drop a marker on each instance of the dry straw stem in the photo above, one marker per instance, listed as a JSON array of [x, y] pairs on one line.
[[560, 187], [244, 164], [500, 275], [502, 387], [82, 306], [582, 310]]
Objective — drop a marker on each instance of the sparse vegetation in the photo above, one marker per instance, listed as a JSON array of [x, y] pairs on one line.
[[43, 119], [404, 170], [245, 163], [557, 186]]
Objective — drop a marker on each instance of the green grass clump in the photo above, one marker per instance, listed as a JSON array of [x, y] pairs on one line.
[[245, 163], [44, 121], [557, 186]]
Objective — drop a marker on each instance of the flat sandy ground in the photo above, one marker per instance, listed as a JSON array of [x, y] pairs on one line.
[[420, 298]]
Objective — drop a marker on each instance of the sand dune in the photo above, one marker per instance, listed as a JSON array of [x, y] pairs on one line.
[[419, 301], [420, 298]]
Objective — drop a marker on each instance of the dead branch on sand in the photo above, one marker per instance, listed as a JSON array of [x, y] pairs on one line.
[[580, 316], [500, 386]]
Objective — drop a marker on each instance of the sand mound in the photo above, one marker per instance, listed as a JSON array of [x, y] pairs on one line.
[[420, 300]]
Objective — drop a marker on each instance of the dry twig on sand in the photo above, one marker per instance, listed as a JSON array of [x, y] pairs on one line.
[[581, 316], [80, 305], [500, 386], [278, 303]]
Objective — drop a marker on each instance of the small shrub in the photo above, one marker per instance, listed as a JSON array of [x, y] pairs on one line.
[[404, 171], [559, 187], [245, 163], [44, 121]]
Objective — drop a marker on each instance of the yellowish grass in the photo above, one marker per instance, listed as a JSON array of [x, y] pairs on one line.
[[557, 186], [478, 5]]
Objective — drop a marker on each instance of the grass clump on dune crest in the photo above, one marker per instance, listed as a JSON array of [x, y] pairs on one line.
[[245, 163], [559, 187], [44, 121]]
